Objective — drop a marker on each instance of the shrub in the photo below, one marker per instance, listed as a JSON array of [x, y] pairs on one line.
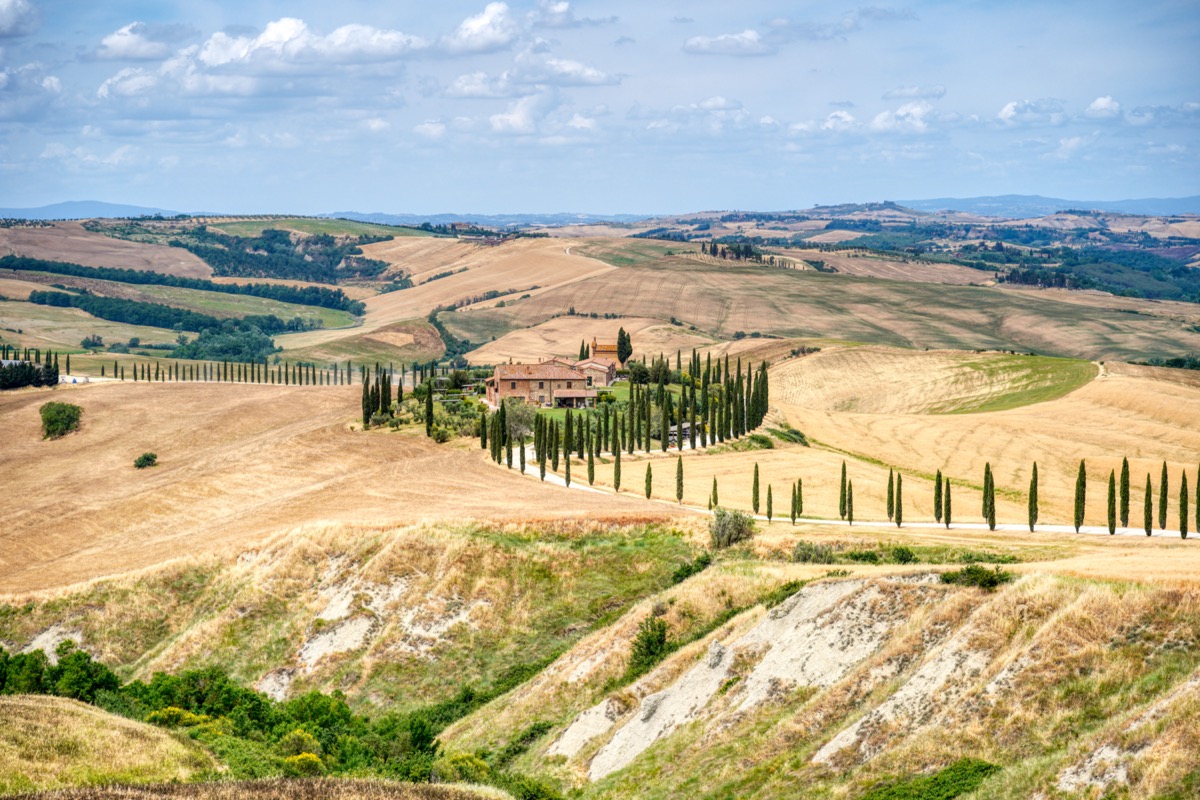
[[729, 527], [303, 765], [903, 555], [175, 717], [975, 575], [811, 553], [59, 419], [687, 570], [299, 742], [461, 768], [442, 435], [959, 778], [146, 460], [864, 556], [650, 646], [781, 593]]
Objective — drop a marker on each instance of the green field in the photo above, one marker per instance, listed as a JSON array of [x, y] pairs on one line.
[[1032, 379], [311, 225], [220, 304]]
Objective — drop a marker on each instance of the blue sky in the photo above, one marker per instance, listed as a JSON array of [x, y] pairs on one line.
[[602, 107]]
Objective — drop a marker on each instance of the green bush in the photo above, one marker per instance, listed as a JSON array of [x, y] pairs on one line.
[[863, 556], [59, 419], [691, 568], [650, 646], [299, 742], [957, 779], [903, 555], [461, 768], [146, 460], [981, 577], [781, 593], [305, 764], [730, 527], [811, 553], [174, 717]]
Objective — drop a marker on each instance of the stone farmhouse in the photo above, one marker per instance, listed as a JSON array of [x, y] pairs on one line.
[[554, 383], [604, 350]]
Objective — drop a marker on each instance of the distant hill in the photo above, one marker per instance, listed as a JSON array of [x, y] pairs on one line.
[[490, 220], [83, 209], [1031, 205]]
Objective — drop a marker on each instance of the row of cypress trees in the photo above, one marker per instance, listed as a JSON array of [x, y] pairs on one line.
[[1118, 500], [377, 394], [32, 367]]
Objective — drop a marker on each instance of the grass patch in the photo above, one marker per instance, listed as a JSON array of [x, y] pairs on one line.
[[313, 226], [957, 779], [979, 577], [630, 252], [1032, 379]]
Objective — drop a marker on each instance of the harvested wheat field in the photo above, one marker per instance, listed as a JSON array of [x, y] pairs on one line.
[[279, 789], [873, 265], [237, 462], [70, 241], [561, 337], [53, 742]]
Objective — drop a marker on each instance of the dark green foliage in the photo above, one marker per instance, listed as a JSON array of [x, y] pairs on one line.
[[891, 495], [781, 593], [989, 497], [850, 502], [812, 553], [691, 568], [229, 341], [754, 491], [864, 556], [1124, 501], [649, 482], [1080, 495], [1183, 505], [650, 646], [132, 312], [899, 499], [146, 460], [946, 504], [957, 779], [520, 743], [842, 494], [679, 483], [59, 419], [1149, 506], [273, 254], [1033, 498], [903, 555], [1112, 502], [979, 576], [1162, 498], [729, 527], [27, 373], [624, 346], [937, 497], [301, 295]]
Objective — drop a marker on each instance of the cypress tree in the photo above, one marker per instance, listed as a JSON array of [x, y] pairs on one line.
[[754, 490], [793, 510], [591, 468], [850, 502], [649, 481], [1198, 498], [799, 496], [68, 363], [1162, 499], [679, 482], [990, 492], [568, 435], [1112, 502], [1149, 505], [508, 451], [891, 495], [555, 436], [521, 450], [937, 497], [617, 470], [366, 406], [770, 509], [1033, 498], [946, 503], [567, 465], [1124, 492], [665, 421], [716, 499], [1080, 494], [987, 486], [842, 494], [483, 429], [1183, 505], [899, 499]]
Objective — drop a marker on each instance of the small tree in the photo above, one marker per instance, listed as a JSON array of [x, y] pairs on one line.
[[770, 504], [946, 506], [59, 419], [899, 499], [850, 502], [1112, 502], [1033, 498], [146, 460], [1149, 506], [650, 646], [1124, 492], [714, 499], [591, 467], [649, 482], [793, 512], [891, 495], [1162, 498], [1183, 505], [842, 494], [937, 497], [729, 527], [799, 497], [617, 470], [754, 490], [1080, 494], [679, 480]]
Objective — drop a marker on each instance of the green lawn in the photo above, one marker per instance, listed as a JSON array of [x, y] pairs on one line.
[[333, 227], [1032, 379]]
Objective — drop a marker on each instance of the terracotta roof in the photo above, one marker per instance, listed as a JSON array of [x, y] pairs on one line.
[[603, 363], [537, 372]]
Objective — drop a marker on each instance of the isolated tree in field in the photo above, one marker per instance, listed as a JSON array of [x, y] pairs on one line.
[[1183, 505], [850, 503], [1033, 498], [899, 499], [937, 496], [799, 497], [617, 470], [679, 479], [1162, 499], [842, 494], [754, 490], [793, 512], [521, 450], [891, 495], [1080, 495], [1124, 493], [1112, 502], [714, 500], [987, 491], [649, 482], [946, 503], [990, 497], [1149, 505], [770, 504]]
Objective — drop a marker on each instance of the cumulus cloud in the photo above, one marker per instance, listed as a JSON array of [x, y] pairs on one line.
[[558, 14], [1103, 108], [129, 82], [1068, 147], [430, 130], [131, 43], [1046, 111], [490, 30], [839, 121], [782, 30], [17, 18], [935, 92], [376, 124], [289, 41], [521, 117], [532, 70], [581, 123], [908, 118], [746, 43], [80, 157]]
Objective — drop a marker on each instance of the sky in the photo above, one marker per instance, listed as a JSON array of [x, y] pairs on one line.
[[597, 107]]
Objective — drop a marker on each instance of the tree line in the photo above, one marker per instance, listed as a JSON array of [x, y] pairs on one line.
[[30, 367], [321, 296], [319, 259]]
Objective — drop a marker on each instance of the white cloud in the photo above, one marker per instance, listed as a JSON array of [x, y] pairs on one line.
[[935, 92], [77, 157], [52, 84], [376, 125], [1103, 108], [581, 123], [839, 121], [523, 115], [131, 44], [289, 41], [129, 82], [492, 29], [532, 70], [17, 18], [430, 130], [558, 14], [909, 117], [746, 43], [1046, 111], [1068, 147]]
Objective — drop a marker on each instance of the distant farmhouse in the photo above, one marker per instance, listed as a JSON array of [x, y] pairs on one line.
[[554, 383], [605, 350]]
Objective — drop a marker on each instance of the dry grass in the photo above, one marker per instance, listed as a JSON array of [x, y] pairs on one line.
[[237, 464], [871, 265], [561, 337], [69, 241], [279, 789], [52, 742]]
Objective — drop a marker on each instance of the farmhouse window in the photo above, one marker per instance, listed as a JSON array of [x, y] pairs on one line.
[[568, 384], [513, 385], [541, 384]]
